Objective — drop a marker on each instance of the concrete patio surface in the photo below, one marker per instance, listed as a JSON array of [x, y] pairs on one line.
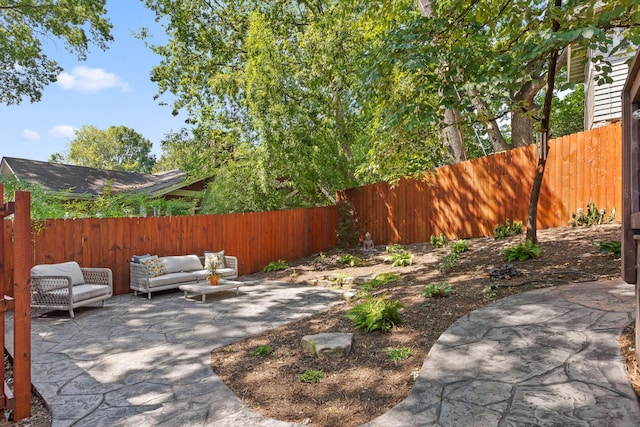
[[547, 357]]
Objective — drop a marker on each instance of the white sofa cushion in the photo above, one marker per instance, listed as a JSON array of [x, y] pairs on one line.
[[170, 278], [71, 269], [178, 263]]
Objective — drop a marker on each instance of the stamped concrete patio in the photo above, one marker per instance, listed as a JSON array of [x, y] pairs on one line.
[[541, 358]]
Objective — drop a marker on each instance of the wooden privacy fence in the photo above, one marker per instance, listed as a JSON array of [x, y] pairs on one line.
[[468, 199], [255, 238]]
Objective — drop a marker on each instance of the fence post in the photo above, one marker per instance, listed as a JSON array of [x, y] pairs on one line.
[[2, 302], [23, 253]]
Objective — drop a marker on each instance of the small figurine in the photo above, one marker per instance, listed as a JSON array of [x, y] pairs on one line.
[[367, 243]]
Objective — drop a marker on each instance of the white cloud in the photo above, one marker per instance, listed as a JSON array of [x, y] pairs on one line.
[[90, 80], [63, 131], [31, 135]]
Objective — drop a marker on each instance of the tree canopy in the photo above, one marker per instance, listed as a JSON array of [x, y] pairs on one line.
[[329, 94], [115, 148], [25, 25]]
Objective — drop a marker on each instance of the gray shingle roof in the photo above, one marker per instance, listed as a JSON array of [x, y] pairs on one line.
[[82, 181]]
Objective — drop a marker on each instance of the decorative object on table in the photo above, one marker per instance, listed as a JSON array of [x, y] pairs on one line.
[[213, 273]]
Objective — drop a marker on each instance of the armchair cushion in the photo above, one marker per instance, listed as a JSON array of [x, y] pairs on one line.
[[70, 269]]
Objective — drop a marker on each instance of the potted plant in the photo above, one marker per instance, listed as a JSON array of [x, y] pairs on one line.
[[213, 274]]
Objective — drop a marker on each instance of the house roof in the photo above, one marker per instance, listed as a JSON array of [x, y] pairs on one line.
[[85, 182]]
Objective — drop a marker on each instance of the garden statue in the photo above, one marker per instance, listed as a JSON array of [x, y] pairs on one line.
[[367, 243]]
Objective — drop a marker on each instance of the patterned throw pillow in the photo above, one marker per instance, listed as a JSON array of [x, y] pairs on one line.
[[214, 258], [155, 266]]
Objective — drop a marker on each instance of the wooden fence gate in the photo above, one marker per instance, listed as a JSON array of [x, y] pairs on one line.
[[20, 399]]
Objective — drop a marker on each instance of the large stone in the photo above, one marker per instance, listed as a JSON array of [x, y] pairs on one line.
[[328, 344]]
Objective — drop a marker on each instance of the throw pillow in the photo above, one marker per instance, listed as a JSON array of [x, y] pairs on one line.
[[155, 266], [214, 258], [137, 258]]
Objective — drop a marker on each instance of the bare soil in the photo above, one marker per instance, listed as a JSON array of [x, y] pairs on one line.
[[364, 385]]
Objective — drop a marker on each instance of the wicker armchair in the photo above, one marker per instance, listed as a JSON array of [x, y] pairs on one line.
[[66, 286]]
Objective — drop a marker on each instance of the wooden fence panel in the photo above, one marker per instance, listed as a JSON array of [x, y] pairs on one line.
[[463, 200], [468, 199], [255, 238]]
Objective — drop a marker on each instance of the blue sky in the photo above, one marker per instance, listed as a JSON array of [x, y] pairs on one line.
[[110, 88]]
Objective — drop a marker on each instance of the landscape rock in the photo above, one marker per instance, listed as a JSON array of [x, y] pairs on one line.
[[328, 344]]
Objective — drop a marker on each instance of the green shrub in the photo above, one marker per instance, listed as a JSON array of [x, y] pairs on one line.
[[435, 290], [460, 246], [275, 266], [448, 263], [311, 376], [379, 281], [340, 279], [400, 259], [592, 216], [376, 313], [400, 353], [394, 248], [490, 291], [399, 256], [502, 231], [262, 351], [351, 260], [320, 259], [612, 247], [522, 251], [439, 242]]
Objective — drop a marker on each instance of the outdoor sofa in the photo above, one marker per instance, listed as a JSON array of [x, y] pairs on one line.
[[150, 273], [65, 286]]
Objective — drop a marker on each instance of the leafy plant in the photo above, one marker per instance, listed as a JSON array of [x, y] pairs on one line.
[[262, 351], [339, 279], [351, 260], [490, 291], [311, 376], [394, 248], [348, 234], [399, 256], [435, 290], [460, 246], [611, 247], [276, 266], [399, 353], [379, 281], [320, 259], [448, 263], [502, 231], [522, 252], [439, 242], [592, 216], [376, 313]]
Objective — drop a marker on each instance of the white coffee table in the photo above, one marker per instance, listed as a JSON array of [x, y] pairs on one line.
[[205, 288]]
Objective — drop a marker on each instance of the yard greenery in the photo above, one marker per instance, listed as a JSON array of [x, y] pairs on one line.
[[398, 256], [436, 290], [275, 266], [376, 313], [108, 205], [507, 229], [522, 251], [262, 351]]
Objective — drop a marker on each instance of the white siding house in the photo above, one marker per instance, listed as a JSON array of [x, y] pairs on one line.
[[602, 101]]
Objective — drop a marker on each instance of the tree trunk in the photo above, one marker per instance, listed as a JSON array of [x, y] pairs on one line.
[[491, 125], [532, 218], [452, 135], [521, 128]]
